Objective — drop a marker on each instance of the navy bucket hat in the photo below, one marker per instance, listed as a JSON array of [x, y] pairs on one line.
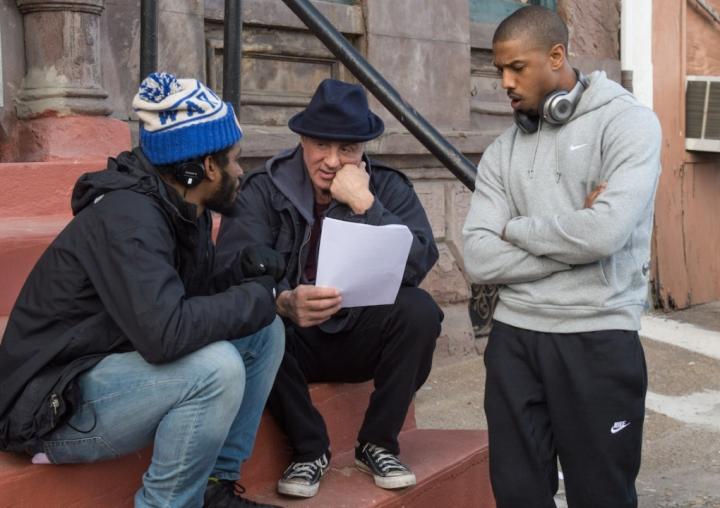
[[338, 111]]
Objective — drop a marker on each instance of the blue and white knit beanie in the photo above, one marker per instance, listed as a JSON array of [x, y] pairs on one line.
[[182, 119]]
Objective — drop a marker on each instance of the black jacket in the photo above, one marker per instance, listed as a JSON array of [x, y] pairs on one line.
[[131, 271], [276, 209]]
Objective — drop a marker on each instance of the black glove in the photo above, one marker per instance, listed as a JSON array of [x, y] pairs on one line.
[[267, 282], [257, 260]]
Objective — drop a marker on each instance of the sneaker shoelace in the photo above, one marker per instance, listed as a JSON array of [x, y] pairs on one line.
[[306, 470], [386, 461]]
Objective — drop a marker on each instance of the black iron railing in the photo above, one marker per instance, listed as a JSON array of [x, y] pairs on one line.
[[413, 121], [232, 53], [148, 37], [232, 46]]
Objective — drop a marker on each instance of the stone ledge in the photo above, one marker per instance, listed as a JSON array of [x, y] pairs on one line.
[[42, 188], [261, 141], [71, 138]]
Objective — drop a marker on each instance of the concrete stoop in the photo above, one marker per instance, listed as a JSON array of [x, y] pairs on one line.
[[451, 466], [104, 484], [35, 208], [22, 242]]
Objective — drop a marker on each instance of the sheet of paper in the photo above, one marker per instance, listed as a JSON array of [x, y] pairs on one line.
[[366, 263]]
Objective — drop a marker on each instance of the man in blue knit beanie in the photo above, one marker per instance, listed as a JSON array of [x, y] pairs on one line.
[[122, 336]]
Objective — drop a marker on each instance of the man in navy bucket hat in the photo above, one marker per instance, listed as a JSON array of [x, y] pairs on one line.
[[282, 206]]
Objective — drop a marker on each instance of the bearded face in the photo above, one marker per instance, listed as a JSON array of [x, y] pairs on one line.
[[223, 199]]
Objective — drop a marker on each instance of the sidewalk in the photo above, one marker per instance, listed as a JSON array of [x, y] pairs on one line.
[[681, 447]]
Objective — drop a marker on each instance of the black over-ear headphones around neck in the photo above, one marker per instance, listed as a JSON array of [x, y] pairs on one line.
[[190, 173], [556, 108]]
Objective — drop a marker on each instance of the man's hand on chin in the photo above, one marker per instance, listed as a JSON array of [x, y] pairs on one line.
[[351, 186]]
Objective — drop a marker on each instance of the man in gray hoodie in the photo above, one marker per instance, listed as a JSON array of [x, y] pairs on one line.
[[561, 218]]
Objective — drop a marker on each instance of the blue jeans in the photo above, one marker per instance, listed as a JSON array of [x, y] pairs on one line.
[[202, 411]]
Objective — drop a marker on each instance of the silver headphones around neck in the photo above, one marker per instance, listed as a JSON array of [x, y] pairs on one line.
[[556, 108]]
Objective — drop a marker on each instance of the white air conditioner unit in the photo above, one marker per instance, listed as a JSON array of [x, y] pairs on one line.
[[702, 113]]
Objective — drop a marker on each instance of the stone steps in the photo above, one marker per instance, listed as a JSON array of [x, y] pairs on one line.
[[451, 467], [342, 406], [22, 242], [35, 208]]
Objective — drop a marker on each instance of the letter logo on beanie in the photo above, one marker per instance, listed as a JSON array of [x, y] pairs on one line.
[[182, 119]]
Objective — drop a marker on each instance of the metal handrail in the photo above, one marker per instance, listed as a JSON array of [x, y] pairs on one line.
[[413, 121], [232, 53], [148, 37]]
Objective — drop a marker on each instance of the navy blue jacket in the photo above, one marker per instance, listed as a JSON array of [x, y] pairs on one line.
[[275, 208]]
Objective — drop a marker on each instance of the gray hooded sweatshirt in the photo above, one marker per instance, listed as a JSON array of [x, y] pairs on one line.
[[564, 268]]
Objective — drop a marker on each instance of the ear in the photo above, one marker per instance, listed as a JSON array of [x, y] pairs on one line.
[[558, 56], [212, 170]]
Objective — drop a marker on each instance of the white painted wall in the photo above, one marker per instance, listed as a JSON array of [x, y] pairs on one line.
[[636, 46]]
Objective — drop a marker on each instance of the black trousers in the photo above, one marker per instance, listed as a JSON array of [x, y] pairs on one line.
[[579, 397], [391, 344]]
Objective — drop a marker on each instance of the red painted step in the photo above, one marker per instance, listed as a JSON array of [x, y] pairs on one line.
[[343, 408], [114, 482], [104, 484], [41, 188], [22, 242], [35, 208], [451, 467]]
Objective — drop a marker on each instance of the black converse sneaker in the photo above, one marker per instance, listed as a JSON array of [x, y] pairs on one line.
[[302, 479], [386, 468]]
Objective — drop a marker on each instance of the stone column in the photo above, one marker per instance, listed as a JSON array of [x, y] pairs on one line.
[[63, 59], [61, 103]]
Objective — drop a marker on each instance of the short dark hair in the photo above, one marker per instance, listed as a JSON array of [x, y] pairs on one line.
[[536, 24]]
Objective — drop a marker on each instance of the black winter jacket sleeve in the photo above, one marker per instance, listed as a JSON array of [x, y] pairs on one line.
[[264, 216], [132, 269], [256, 222]]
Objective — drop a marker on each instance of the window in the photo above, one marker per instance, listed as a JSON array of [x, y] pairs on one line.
[[492, 11]]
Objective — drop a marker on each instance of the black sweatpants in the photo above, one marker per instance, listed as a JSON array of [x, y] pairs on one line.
[[390, 344], [576, 396]]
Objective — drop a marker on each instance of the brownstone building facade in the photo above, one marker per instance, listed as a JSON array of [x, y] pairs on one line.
[[686, 42], [70, 58]]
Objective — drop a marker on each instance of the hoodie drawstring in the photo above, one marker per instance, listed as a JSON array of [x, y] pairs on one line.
[[558, 174], [531, 171]]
